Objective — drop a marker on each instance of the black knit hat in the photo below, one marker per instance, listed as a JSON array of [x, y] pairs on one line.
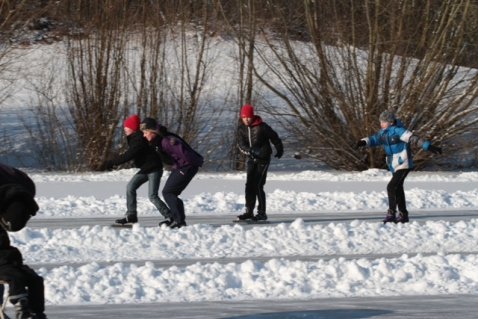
[[17, 206], [148, 124]]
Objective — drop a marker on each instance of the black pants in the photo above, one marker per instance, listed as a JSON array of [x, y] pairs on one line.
[[21, 278], [256, 179], [396, 194], [177, 181]]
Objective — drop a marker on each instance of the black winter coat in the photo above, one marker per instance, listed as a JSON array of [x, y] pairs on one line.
[[254, 140], [144, 156], [13, 182]]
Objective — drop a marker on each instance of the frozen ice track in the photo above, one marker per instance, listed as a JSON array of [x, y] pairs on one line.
[[443, 306]]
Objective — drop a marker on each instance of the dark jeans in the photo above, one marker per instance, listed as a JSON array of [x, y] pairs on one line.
[[153, 189], [20, 278], [177, 181], [256, 179], [396, 194]]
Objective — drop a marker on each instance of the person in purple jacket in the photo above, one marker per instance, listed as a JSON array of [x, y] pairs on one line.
[[186, 163]]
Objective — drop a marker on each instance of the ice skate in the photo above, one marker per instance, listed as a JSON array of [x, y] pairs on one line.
[[402, 217], [166, 222], [246, 216], [259, 217], [130, 219], [390, 218], [177, 225], [22, 309]]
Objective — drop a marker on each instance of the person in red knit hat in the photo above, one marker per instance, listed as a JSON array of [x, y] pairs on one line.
[[254, 139], [150, 169]]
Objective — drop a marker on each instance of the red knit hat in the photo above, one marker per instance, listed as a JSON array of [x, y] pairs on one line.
[[132, 122], [247, 111]]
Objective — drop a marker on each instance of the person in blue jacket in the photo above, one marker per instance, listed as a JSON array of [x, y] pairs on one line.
[[396, 141]]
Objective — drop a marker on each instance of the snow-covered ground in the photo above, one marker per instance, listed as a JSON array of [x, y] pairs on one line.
[[94, 265], [102, 265]]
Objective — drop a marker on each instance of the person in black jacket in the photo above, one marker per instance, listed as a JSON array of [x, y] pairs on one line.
[[253, 138], [151, 169], [17, 205]]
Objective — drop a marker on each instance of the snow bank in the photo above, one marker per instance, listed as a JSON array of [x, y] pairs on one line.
[[276, 278], [96, 244]]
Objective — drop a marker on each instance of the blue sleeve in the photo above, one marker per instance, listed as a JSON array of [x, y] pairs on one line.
[[373, 141]]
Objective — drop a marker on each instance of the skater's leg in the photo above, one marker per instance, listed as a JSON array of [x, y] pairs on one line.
[[154, 181], [401, 201], [259, 182], [17, 283], [400, 192], [250, 192], [178, 180], [395, 183], [131, 200], [36, 290]]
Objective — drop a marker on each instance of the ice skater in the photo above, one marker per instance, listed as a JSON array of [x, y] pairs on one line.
[[17, 205], [396, 141], [150, 169], [254, 139], [186, 163]]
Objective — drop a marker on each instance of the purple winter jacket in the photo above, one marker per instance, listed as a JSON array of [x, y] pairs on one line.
[[180, 152]]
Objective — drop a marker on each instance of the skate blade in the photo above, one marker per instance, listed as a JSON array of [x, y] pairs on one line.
[[122, 225]]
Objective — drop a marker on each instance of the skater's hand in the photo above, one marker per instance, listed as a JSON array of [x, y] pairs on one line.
[[360, 143], [109, 165], [279, 153], [255, 153], [435, 150]]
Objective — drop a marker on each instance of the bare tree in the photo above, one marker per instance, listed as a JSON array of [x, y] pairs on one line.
[[12, 27], [95, 86], [48, 122], [240, 18], [393, 55]]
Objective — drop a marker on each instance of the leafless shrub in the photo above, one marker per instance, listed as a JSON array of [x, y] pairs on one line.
[[402, 56], [48, 123], [95, 81]]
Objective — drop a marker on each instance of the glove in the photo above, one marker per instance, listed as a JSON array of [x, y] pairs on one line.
[[435, 150], [360, 143], [255, 153], [109, 165], [279, 153]]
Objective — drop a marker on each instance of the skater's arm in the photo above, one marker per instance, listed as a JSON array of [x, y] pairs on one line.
[[274, 138], [243, 141], [9, 255], [136, 145]]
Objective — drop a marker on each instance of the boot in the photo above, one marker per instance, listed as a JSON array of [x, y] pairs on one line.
[[128, 219], [390, 218], [177, 225], [247, 215], [22, 309], [261, 216], [402, 217], [166, 222]]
